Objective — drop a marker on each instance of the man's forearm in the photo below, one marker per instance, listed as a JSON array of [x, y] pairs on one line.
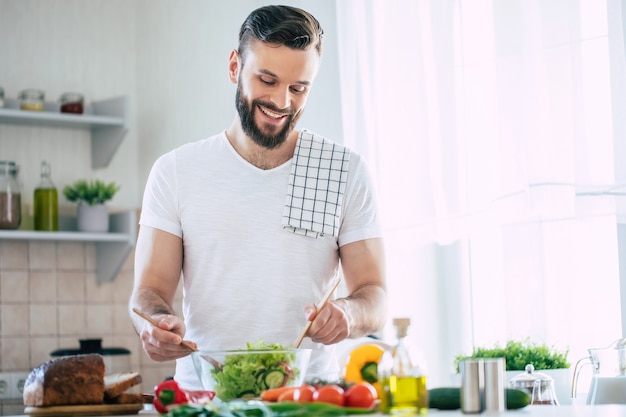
[[150, 302], [366, 309]]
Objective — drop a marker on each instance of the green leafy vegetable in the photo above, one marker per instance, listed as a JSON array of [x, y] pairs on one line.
[[231, 409], [317, 409], [253, 408], [247, 375]]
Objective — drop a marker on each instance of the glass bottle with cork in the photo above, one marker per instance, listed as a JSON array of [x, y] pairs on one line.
[[402, 380], [46, 202]]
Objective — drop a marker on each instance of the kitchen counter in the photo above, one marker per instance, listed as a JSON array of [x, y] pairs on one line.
[[530, 411], [550, 411]]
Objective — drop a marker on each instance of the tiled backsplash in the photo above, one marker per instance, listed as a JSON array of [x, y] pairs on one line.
[[50, 298]]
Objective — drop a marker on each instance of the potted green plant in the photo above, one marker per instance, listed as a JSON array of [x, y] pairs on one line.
[[91, 196], [519, 353]]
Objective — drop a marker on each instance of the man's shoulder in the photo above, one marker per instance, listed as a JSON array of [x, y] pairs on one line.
[[197, 148], [211, 141]]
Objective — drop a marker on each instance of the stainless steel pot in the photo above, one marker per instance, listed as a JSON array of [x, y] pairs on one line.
[[116, 359]]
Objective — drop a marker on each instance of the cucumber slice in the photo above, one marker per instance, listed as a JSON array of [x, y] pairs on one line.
[[275, 379], [247, 394]]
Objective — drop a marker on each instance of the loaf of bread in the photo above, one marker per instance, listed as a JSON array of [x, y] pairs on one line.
[[66, 380]]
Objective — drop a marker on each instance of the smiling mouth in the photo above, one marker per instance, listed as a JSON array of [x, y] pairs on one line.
[[271, 114]]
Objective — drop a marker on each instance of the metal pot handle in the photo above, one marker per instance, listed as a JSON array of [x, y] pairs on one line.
[[577, 368]]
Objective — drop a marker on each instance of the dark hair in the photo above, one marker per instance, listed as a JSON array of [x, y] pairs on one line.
[[282, 25]]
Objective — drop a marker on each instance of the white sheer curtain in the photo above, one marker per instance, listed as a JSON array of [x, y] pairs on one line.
[[495, 132]]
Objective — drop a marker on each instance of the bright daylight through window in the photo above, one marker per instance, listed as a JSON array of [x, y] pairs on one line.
[[495, 132]]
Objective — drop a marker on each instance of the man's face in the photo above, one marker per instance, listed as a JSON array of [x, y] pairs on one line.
[[272, 88]]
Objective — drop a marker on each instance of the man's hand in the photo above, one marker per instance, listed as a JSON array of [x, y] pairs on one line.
[[163, 343], [329, 325]]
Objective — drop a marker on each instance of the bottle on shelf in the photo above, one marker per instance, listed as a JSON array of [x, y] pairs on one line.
[[402, 380], [10, 196], [46, 202]]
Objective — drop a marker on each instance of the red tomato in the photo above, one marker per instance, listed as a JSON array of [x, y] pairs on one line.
[[362, 395], [331, 394], [304, 394]]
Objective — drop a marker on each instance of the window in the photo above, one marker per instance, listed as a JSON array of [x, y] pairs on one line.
[[494, 131]]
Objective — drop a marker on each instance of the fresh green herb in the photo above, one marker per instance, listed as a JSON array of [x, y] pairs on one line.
[[90, 192], [253, 408], [317, 409], [231, 409], [518, 354], [247, 375]]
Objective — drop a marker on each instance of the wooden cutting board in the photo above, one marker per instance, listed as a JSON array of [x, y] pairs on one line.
[[85, 410]]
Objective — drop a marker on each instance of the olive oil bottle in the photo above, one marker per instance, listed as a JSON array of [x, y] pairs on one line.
[[46, 202], [403, 383]]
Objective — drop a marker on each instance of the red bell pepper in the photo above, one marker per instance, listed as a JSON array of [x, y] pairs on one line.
[[168, 394]]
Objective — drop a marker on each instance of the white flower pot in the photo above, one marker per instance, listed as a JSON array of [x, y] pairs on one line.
[[92, 218]]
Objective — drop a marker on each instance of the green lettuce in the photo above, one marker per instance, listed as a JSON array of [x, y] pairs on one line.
[[247, 375]]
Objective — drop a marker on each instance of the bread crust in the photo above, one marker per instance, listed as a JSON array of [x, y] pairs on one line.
[[66, 380]]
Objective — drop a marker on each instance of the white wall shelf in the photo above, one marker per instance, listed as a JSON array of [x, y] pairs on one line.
[[108, 121], [112, 248]]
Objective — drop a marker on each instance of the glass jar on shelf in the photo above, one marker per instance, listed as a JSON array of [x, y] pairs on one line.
[[10, 196], [72, 103], [32, 99]]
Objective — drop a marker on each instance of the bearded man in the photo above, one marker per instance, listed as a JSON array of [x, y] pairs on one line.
[[259, 220]]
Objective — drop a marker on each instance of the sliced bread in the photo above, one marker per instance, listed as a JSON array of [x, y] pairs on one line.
[[118, 383]]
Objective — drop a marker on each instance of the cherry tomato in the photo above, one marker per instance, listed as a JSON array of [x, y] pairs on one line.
[[362, 395], [331, 394], [304, 394]]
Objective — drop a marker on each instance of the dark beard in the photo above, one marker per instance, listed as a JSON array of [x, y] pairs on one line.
[[246, 115]]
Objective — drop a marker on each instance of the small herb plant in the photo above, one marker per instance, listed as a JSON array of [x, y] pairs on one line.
[[90, 192], [518, 354]]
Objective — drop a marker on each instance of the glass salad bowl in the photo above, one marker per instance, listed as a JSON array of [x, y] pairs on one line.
[[246, 373]]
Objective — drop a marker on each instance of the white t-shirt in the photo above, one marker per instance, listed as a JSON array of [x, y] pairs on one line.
[[245, 278]]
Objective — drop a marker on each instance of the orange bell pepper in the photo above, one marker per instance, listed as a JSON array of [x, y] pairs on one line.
[[362, 365]]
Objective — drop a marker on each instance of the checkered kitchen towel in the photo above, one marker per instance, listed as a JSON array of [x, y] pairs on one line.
[[316, 187]]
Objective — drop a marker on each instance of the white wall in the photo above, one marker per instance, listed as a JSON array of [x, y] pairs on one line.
[[68, 45], [169, 58], [182, 73]]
